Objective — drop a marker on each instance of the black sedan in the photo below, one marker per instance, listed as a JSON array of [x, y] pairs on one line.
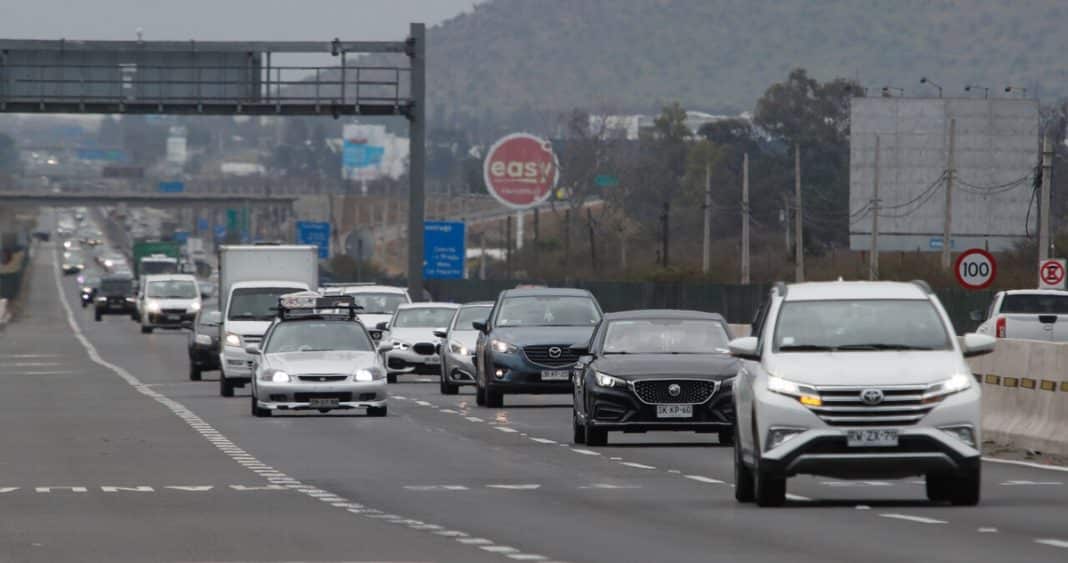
[[204, 344], [654, 370]]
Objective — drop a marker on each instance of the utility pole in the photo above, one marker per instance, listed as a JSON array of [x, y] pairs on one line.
[[1044, 200], [745, 218], [665, 225], [706, 256], [951, 169], [799, 219], [508, 246], [786, 221], [417, 161], [873, 266]]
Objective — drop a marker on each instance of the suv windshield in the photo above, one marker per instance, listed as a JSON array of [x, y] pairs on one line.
[[176, 289], [379, 303], [548, 311], [427, 317], [116, 286], [256, 303], [1035, 304], [318, 336], [665, 336], [468, 315], [859, 325]]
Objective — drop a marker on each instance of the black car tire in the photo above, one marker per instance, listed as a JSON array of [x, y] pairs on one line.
[[135, 318], [480, 396], [97, 315], [744, 485], [194, 372], [146, 329], [256, 410], [377, 411], [579, 437], [770, 489], [938, 487], [965, 488], [726, 437], [448, 388], [494, 399], [226, 388], [391, 378], [596, 436]]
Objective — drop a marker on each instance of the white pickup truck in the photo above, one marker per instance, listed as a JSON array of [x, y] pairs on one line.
[[1028, 314]]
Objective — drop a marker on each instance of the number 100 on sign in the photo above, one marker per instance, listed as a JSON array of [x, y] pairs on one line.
[[976, 269]]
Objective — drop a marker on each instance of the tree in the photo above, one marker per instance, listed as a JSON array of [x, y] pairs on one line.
[[665, 151]]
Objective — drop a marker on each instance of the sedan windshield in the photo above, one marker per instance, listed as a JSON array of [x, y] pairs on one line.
[[859, 325], [180, 289], [379, 303], [116, 286], [426, 317], [665, 336], [548, 311], [468, 315], [318, 336], [256, 303]]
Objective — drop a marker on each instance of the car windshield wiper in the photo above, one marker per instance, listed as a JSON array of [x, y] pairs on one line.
[[620, 353], [882, 346], [805, 348]]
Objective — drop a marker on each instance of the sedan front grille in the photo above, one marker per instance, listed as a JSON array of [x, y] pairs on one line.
[[843, 406], [305, 397], [322, 378], [173, 311], [551, 355], [689, 391]]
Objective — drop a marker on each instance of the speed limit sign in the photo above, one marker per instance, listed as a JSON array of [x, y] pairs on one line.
[[976, 269]]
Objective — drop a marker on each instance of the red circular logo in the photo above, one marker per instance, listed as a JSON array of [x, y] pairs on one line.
[[521, 170], [975, 269], [1052, 272]]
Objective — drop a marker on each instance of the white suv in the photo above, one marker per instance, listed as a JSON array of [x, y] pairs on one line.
[[856, 380]]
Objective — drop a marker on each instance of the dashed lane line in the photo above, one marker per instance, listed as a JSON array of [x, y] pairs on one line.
[[636, 465], [703, 479], [910, 518], [1053, 543]]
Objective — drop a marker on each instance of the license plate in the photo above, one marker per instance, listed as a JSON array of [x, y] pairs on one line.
[[432, 360], [174, 317], [674, 411], [555, 375], [872, 438], [322, 403]]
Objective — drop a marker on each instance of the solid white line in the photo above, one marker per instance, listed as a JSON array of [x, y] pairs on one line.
[[60, 372], [797, 497], [499, 549], [1053, 543], [637, 465], [988, 530], [704, 479], [919, 519], [474, 541], [1026, 464], [36, 364], [584, 452], [527, 557]]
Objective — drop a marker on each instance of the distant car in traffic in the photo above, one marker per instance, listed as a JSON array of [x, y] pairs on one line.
[[167, 301], [411, 334], [116, 296], [525, 344], [377, 303], [457, 346], [655, 370], [203, 345], [1027, 314], [857, 380], [73, 261]]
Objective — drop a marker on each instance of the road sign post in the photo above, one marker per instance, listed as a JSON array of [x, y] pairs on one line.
[[446, 250], [1051, 274], [316, 233], [975, 269], [521, 171]]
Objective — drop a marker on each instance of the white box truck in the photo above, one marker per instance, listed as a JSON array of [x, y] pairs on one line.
[[251, 278]]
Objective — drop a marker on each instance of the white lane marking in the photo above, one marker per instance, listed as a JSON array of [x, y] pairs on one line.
[[1027, 464], [61, 489], [139, 489], [398, 397], [473, 418], [609, 486], [422, 488], [856, 483], [474, 541], [20, 356], [422, 403], [910, 518], [451, 534], [987, 530], [56, 372], [529, 487], [863, 507], [615, 458], [674, 471], [499, 549], [583, 452], [544, 440], [1032, 483], [36, 364], [450, 411], [527, 557], [703, 479], [797, 497], [637, 465], [8, 489], [506, 429], [1053, 543]]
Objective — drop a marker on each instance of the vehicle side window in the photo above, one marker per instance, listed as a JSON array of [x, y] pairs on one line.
[[761, 317], [597, 340], [994, 306]]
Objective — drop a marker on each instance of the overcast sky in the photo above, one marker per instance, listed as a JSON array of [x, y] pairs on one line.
[[216, 20]]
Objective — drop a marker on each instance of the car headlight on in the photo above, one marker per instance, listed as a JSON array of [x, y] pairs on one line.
[[502, 347], [605, 380], [194, 307], [938, 391], [805, 394], [276, 376], [363, 376], [152, 306], [233, 339], [457, 348]]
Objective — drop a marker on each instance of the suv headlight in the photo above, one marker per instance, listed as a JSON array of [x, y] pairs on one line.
[[275, 376], [233, 339], [605, 380], [194, 307], [959, 382], [502, 347], [152, 306], [457, 348], [805, 394], [398, 345]]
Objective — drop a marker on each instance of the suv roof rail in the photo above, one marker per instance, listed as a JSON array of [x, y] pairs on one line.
[[926, 287], [781, 288]]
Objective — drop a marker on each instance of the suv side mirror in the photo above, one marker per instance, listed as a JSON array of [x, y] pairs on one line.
[[382, 326], [385, 347], [441, 334], [252, 349], [973, 345], [747, 348], [479, 326]]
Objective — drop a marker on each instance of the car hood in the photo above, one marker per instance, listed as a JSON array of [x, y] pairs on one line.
[[413, 335], [535, 335], [867, 368], [333, 362], [660, 366], [248, 328]]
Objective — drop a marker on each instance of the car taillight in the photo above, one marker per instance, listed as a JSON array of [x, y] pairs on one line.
[[999, 327]]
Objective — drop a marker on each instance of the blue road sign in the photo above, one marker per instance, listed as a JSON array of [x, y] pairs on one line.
[[445, 250], [171, 187], [181, 237], [202, 224], [359, 155], [309, 232], [220, 232], [936, 243]]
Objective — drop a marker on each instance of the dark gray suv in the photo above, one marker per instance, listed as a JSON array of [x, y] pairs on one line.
[[525, 344]]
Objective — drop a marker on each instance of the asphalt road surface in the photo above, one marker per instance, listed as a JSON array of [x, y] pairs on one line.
[[111, 454]]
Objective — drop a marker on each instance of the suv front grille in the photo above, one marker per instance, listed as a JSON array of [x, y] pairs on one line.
[[843, 406], [691, 392], [551, 355]]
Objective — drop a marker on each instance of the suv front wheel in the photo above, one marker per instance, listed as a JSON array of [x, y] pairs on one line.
[[962, 489]]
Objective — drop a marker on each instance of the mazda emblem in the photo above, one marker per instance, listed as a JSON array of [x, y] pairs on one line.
[[871, 396], [674, 390], [555, 352]]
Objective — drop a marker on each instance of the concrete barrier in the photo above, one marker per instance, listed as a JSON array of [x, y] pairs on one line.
[[3, 312], [1025, 394]]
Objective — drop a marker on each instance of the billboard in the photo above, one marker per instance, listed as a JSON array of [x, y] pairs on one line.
[[996, 152]]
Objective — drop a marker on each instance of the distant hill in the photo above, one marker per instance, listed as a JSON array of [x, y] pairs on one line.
[[513, 62]]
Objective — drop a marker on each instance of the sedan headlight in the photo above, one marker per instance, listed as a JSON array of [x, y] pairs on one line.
[[194, 307], [457, 348], [152, 306], [276, 376], [605, 380], [938, 391], [363, 376], [233, 339], [203, 339], [502, 347], [398, 345], [805, 394]]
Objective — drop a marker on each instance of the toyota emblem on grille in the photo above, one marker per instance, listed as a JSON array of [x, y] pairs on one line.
[[674, 390], [871, 396], [555, 352]]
